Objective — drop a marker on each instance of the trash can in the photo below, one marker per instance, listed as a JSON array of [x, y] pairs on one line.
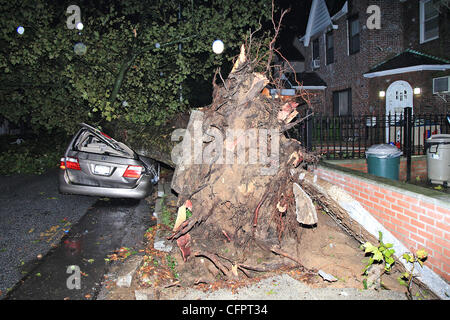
[[438, 159], [383, 160]]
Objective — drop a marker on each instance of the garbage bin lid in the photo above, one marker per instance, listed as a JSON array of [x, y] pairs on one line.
[[439, 138], [384, 151]]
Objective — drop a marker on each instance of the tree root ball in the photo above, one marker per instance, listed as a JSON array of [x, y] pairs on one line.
[[238, 169]]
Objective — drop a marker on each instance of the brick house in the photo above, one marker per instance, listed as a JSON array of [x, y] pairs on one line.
[[362, 68]]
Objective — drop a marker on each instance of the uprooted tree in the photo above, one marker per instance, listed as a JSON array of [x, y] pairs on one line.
[[244, 191], [245, 182]]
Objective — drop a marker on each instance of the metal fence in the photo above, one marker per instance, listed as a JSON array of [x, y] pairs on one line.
[[348, 137]]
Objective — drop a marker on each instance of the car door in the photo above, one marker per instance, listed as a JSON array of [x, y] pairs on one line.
[[97, 160]]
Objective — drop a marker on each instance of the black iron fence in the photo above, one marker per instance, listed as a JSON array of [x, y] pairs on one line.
[[348, 137]]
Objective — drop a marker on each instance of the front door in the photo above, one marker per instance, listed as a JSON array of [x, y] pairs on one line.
[[399, 95]]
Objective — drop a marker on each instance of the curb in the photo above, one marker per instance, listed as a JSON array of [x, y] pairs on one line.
[[164, 191]]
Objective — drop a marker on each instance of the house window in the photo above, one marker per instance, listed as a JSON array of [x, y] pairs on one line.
[[429, 21], [353, 35], [342, 102], [315, 54], [330, 47]]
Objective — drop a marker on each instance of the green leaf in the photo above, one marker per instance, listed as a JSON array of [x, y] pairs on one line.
[[390, 260], [408, 257], [378, 256], [422, 254], [369, 247], [380, 236], [365, 284]]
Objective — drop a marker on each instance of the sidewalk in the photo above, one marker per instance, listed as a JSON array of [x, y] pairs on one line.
[[284, 287]]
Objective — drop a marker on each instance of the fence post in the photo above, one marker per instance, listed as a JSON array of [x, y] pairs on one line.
[[407, 137], [308, 131]]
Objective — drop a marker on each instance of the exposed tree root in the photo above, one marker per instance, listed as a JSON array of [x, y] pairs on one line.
[[245, 214]]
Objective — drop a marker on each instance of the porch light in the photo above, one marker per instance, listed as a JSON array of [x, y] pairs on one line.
[[382, 94], [417, 91]]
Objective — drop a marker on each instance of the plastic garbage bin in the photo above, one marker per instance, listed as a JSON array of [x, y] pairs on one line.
[[438, 159], [383, 160]]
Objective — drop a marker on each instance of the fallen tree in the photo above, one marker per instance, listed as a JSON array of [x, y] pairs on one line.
[[242, 179], [244, 191]]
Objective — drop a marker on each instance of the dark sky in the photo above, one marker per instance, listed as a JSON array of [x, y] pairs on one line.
[[297, 18], [295, 21]]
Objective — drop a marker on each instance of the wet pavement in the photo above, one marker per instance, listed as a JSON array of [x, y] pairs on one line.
[[33, 218], [75, 269]]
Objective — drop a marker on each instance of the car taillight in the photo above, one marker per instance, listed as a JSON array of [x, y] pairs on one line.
[[72, 163], [62, 163], [133, 172]]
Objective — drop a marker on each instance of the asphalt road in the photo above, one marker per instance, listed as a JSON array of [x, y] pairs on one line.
[[43, 232], [106, 227], [33, 216]]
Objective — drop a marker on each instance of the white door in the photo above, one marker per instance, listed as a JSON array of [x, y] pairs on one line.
[[399, 95]]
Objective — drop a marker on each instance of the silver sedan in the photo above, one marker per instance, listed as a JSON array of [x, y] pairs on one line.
[[97, 165]]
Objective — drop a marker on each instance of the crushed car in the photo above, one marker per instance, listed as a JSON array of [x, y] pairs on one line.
[[95, 164]]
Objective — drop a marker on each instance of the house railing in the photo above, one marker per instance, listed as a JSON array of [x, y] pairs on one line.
[[348, 137]]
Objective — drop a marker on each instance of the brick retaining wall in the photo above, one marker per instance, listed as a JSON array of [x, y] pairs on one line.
[[418, 217]]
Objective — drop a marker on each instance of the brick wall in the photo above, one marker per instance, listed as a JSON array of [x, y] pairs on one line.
[[399, 30], [347, 70], [439, 47], [417, 220], [418, 167]]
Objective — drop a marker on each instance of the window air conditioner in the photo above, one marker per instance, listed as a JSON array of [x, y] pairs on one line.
[[441, 85], [316, 64]]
